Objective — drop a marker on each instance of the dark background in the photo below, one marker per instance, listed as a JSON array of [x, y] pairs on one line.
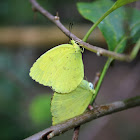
[[24, 36]]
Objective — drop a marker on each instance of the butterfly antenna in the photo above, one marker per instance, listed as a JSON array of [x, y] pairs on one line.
[[70, 29]]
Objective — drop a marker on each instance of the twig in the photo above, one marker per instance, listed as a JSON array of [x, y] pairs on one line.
[[96, 79], [76, 133], [98, 50], [95, 82], [86, 117]]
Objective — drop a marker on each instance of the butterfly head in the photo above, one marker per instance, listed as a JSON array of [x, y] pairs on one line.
[[72, 42], [91, 86]]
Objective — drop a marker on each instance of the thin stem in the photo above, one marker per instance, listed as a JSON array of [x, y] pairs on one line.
[[96, 79], [76, 133], [135, 50], [106, 66], [97, 22]]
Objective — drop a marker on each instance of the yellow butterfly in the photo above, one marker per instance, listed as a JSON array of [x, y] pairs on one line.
[[60, 68], [66, 106]]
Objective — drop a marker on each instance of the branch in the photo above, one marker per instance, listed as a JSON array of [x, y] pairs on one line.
[[55, 20], [98, 112], [76, 133]]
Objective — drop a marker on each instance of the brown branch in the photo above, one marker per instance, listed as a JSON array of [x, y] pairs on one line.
[[100, 111], [76, 133], [55, 20], [96, 79]]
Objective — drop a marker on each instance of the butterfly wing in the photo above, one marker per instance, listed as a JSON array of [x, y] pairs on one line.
[[61, 68], [66, 106]]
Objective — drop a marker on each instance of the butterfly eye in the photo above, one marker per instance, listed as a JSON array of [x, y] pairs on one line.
[[91, 85]]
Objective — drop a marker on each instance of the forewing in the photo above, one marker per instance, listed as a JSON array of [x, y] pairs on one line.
[[61, 68], [70, 73]]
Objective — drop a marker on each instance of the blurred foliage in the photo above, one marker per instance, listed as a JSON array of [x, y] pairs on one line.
[[11, 97], [19, 12], [16, 88], [40, 110]]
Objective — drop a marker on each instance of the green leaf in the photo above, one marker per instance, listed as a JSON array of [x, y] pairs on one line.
[[112, 27], [120, 3], [39, 110]]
